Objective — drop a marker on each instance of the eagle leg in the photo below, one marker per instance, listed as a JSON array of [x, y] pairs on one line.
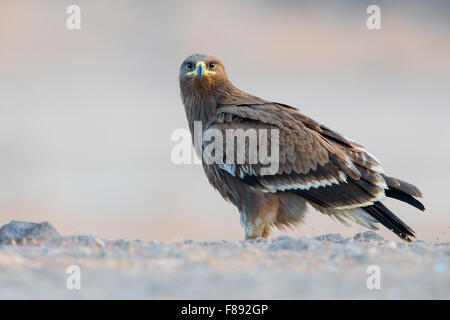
[[258, 218], [256, 229]]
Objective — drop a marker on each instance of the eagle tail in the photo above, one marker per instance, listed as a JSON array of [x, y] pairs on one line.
[[387, 218], [403, 191]]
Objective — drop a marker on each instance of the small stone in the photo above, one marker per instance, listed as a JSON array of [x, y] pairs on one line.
[[122, 244], [99, 242], [368, 236], [258, 240], [334, 237], [18, 230]]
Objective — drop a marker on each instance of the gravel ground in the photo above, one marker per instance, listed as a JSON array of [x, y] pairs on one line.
[[325, 267]]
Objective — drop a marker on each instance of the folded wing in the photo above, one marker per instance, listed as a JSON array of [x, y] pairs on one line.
[[315, 162]]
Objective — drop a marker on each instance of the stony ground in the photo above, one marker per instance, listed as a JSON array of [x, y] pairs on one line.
[[324, 267]]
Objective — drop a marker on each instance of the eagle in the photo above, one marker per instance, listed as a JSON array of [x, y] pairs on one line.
[[315, 164]]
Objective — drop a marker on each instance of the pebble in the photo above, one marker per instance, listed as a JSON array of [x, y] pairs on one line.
[[368, 236], [330, 237]]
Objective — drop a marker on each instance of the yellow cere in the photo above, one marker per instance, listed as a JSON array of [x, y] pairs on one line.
[[205, 71]]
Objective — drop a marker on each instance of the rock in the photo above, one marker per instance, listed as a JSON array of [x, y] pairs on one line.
[[99, 242], [122, 244], [330, 237], [258, 240], [368, 236], [15, 231]]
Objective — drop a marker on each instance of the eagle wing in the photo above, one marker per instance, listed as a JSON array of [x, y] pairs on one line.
[[335, 174], [315, 162]]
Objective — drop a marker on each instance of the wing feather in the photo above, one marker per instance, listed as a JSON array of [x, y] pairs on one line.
[[314, 162], [334, 173]]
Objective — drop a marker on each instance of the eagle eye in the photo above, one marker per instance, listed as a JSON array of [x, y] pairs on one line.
[[189, 65], [212, 65]]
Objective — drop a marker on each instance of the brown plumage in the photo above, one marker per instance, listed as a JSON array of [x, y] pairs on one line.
[[317, 165]]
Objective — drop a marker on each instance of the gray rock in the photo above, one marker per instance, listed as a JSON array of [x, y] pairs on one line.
[[122, 244], [368, 236], [330, 237], [18, 230], [258, 240]]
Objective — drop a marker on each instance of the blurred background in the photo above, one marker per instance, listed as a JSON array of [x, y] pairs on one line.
[[86, 115]]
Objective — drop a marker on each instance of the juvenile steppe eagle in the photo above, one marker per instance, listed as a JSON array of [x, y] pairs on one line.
[[316, 165]]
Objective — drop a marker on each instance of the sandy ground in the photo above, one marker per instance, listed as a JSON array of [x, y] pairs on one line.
[[281, 268]]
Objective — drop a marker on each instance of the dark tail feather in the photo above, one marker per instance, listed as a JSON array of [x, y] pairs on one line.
[[403, 191], [402, 196], [390, 220]]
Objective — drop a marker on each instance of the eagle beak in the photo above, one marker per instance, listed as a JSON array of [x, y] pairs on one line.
[[200, 69]]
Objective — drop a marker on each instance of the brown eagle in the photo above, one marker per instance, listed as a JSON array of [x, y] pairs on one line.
[[316, 165]]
